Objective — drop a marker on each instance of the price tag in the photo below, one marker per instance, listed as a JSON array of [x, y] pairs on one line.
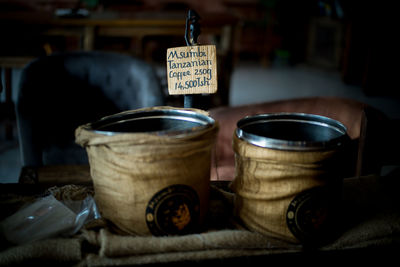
[[192, 70]]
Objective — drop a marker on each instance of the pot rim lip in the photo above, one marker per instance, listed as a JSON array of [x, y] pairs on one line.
[[291, 145], [203, 121]]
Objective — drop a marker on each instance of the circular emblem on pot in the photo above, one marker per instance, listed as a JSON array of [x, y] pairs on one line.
[[311, 216], [173, 211]]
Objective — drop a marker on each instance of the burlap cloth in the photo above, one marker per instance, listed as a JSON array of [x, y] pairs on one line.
[[266, 180], [129, 169], [370, 219]]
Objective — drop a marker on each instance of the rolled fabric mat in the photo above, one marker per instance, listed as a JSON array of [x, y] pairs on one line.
[[151, 168], [118, 246], [61, 250]]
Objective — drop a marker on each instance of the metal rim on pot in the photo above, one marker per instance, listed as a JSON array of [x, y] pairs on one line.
[[171, 122], [292, 131]]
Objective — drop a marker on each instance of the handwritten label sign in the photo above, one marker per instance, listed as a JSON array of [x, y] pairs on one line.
[[192, 70]]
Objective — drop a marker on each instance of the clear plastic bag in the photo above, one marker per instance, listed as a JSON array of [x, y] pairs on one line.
[[48, 217]]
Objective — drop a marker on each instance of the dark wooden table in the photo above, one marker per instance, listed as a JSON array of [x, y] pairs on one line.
[[370, 229]]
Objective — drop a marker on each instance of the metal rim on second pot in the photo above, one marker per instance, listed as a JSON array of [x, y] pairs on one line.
[[292, 131]]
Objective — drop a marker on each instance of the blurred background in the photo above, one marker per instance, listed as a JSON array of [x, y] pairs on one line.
[[267, 49]]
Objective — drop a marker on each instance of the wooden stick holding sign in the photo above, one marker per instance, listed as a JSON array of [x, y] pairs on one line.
[[192, 69]]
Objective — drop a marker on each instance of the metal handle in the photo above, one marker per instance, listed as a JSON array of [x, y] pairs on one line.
[[192, 30]]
